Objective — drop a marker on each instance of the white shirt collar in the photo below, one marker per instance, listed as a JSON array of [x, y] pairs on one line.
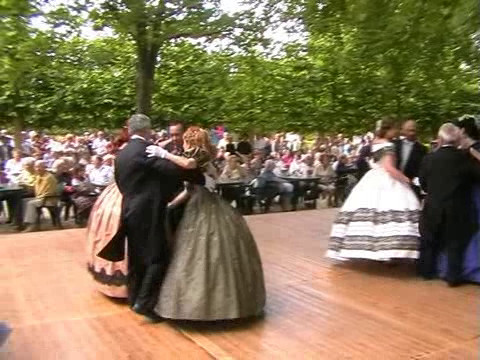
[[137, 137]]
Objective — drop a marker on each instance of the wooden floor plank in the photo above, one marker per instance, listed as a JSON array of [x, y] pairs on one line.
[[316, 309]]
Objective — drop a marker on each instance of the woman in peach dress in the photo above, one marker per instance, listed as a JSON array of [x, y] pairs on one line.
[[110, 277]]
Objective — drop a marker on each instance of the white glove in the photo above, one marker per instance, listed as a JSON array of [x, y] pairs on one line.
[[156, 151]]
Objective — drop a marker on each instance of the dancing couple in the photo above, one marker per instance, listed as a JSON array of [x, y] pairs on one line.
[[383, 220], [204, 267]]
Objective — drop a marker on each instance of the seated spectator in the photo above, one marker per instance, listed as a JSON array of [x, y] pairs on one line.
[[256, 164], [306, 167], [58, 159], [78, 175], [296, 163], [108, 163], [45, 190], [64, 177], [227, 143], [346, 179], [99, 144], [69, 144], [220, 159], [233, 170], [70, 159], [27, 177], [269, 178], [287, 157], [5, 148], [324, 170], [62, 174], [82, 148], [83, 194], [100, 175], [14, 167], [244, 147], [49, 157]]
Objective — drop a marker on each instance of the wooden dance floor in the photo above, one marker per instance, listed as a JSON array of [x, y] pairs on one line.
[[315, 309]]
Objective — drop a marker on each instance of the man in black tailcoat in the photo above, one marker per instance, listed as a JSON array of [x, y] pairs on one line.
[[410, 153], [448, 218], [147, 185]]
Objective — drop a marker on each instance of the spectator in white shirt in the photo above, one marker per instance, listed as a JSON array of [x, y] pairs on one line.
[[14, 167], [224, 141], [108, 162], [99, 175], [99, 145]]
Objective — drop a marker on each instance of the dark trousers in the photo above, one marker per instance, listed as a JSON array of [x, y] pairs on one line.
[[448, 238], [143, 281], [144, 276], [15, 207]]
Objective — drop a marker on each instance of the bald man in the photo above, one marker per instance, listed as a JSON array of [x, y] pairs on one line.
[[410, 152]]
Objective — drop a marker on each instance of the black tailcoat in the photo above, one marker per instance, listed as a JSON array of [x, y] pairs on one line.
[[147, 186], [448, 218]]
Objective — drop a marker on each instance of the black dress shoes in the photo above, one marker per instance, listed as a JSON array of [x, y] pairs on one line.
[[455, 282], [149, 314]]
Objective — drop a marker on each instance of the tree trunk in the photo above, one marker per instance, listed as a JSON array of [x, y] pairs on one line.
[[19, 121], [147, 60]]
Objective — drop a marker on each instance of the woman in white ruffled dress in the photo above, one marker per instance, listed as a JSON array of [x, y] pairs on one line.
[[379, 220]]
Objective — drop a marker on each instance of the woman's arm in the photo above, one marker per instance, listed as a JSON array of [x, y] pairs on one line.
[[183, 162], [225, 173], [179, 199], [475, 153], [389, 166], [164, 143], [186, 163], [212, 171]]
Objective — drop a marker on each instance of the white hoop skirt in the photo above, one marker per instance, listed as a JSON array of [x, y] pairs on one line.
[[379, 221]]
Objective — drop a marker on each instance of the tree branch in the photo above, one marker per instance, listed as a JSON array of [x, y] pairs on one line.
[[194, 34]]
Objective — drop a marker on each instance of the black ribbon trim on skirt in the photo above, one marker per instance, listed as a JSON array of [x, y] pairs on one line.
[[117, 279], [377, 217]]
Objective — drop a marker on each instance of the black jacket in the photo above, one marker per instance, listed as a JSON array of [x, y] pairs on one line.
[[412, 168], [447, 176], [147, 185]]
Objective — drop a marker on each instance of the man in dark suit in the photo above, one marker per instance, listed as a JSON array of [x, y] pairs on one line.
[[147, 185], [448, 217], [174, 145], [410, 153]]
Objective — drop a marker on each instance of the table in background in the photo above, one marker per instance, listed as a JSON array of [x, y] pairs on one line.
[[297, 181], [13, 195], [235, 190]]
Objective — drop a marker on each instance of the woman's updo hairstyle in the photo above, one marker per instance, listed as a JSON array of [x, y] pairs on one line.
[[469, 126], [197, 137], [383, 126]]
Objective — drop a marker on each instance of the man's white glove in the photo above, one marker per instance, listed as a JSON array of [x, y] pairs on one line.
[[156, 151]]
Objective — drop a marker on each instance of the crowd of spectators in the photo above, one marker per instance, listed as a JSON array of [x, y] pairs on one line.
[[74, 168]]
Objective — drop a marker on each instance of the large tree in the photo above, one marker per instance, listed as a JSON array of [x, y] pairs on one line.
[[153, 24], [23, 51]]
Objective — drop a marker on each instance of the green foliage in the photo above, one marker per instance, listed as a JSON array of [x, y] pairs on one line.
[[361, 60]]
